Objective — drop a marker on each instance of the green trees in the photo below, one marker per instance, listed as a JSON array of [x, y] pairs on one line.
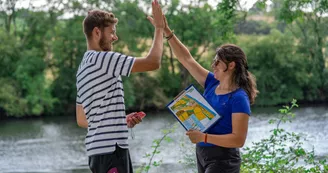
[[23, 61], [295, 58], [280, 70], [40, 50], [307, 23], [67, 47]]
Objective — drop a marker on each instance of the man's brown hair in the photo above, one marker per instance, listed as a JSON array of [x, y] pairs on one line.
[[97, 18]]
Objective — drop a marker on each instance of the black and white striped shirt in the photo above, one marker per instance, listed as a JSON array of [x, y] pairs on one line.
[[100, 91]]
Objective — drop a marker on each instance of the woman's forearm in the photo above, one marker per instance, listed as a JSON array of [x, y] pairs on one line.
[[228, 140], [178, 48]]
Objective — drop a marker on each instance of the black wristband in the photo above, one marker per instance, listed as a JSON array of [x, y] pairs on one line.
[[170, 36]]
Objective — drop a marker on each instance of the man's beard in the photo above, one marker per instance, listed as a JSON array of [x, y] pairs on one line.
[[105, 46]]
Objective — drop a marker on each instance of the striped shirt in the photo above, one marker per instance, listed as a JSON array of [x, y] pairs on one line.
[[100, 92]]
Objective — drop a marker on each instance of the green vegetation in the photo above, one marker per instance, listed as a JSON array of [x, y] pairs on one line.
[[280, 151], [156, 150], [41, 49]]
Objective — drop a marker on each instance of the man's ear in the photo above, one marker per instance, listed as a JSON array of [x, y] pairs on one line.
[[96, 33]]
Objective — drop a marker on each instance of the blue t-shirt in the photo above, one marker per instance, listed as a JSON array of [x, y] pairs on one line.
[[224, 104]]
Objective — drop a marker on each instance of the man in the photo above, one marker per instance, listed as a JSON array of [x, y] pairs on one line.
[[100, 98]]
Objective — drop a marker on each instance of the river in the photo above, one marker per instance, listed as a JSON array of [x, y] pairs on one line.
[[56, 144]]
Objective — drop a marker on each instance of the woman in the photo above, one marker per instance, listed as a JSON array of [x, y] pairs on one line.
[[229, 89]]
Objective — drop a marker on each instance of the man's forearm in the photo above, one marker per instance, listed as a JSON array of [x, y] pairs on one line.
[[156, 50]]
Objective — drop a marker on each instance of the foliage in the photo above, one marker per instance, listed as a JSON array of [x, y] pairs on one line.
[[282, 151], [252, 27], [270, 57], [307, 22], [68, 46], [10, 98], [156, 145], [189, 160], [25, 67], [41, 50]]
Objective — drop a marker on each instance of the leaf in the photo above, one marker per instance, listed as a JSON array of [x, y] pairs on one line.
[[261, 5], [272, 121]]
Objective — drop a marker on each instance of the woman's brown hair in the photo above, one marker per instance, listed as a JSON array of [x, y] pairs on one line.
[[242, 77]]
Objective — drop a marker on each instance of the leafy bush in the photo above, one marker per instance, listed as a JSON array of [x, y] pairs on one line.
[[282, 151], [279, 69]]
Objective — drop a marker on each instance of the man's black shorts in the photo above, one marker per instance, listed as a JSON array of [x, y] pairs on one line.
[[117, 162]]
